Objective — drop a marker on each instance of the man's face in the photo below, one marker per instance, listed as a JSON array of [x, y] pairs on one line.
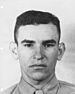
[[38, 50]]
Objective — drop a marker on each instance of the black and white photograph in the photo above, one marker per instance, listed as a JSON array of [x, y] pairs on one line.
[[37, 46]]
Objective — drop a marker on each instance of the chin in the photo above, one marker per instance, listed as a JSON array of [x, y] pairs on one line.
[[38, 76]]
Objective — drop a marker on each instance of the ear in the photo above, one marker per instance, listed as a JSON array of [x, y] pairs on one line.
[[13, 49], [61, 50]]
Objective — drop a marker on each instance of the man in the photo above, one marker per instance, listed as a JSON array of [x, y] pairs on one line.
[[37, 46]]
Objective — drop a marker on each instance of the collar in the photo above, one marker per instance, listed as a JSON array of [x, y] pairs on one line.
[[25, 88]]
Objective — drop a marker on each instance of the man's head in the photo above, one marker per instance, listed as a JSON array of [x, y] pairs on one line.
[[37, 36], [33, 17]]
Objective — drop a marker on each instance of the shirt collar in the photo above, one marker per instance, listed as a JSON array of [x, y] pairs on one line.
[[26, 88]]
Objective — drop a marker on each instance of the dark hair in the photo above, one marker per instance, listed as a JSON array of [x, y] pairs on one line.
[[33, 17]]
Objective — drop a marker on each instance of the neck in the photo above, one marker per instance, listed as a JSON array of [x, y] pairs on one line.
[[38, 84]]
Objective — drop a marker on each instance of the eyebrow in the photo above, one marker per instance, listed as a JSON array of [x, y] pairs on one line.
[[50, 41], [44, 42], [27, 41]]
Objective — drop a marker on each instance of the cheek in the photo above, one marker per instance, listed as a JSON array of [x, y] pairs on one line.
[[24, 55], [52, 59], [23, 61], [52, 55]]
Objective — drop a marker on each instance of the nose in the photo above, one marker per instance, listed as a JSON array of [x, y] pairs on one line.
[[39, 53]]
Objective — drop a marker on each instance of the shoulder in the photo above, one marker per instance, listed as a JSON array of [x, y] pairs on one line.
[[66, 87], [9, 90]]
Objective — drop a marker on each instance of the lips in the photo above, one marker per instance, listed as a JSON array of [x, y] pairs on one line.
[[38, 66]]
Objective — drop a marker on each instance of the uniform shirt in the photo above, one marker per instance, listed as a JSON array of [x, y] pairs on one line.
[[54, 86]]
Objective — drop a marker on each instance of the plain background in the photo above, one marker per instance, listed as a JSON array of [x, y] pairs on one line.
[[9, 10]]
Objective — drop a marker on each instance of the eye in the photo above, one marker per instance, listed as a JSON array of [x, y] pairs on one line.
[[28, 45], [48, 45]]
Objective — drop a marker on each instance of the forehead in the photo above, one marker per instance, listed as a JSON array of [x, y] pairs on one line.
[[38, 32]]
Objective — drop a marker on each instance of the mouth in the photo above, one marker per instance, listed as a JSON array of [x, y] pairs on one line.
[[38, 66]]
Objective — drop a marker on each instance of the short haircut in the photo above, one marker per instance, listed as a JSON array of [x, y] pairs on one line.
[[33, 17]]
